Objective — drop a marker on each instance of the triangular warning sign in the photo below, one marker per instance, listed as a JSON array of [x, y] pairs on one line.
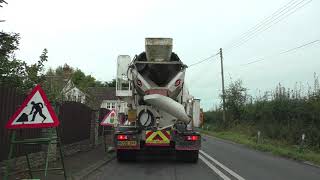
[[35, 112], [110, 119]]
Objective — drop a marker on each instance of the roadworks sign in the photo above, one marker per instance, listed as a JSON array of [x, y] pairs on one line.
[[35, 112], [110, 119]]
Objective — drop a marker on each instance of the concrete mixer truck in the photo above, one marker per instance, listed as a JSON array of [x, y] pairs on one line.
[[159, 110]]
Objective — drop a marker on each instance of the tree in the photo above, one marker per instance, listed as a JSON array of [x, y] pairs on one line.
[[34, 72], [83, 81], [111, 83], [2, 2], [15, 72], [236, 97]]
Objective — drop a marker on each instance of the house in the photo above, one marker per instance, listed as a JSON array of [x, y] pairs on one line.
[[105, 97], [96, 97], [71, 93]]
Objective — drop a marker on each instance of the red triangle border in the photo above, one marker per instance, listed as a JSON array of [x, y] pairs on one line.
[[25, 103], [104, 118]]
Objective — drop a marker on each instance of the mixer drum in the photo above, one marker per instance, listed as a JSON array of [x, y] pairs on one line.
[[160, 74]]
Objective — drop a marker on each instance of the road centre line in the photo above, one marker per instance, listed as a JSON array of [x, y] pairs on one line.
[[223, 176], [222, 166]]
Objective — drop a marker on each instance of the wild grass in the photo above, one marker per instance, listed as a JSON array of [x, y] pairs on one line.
[[275, 147], [282, 114]]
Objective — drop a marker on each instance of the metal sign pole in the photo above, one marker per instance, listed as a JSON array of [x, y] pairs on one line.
[[104, 139], [36, 141], [61, 152], [13, 137], [29, 167]]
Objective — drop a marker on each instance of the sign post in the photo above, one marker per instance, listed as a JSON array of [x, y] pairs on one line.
[[108, 123], [35, 112]]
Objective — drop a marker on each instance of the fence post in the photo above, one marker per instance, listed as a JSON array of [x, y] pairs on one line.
[[302, 143], [93, 128], [258, 137]]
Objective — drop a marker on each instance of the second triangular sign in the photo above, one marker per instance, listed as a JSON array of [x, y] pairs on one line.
[[110, 119]]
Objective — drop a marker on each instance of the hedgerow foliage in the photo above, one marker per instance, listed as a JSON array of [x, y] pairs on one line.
[[282, 114]]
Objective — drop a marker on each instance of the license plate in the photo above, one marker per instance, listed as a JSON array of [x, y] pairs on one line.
[[127, 143]]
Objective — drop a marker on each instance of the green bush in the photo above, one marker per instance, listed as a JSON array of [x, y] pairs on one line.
[[282, 114]]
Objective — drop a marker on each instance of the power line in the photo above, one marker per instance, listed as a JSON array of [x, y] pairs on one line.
[[283, 12], [268, 25], [262, 22], [307, 44], [268, 22], [283, 52], [203, 60]]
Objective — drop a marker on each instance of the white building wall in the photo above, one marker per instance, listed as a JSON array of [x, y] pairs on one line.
[[119, 106], [76, 95]]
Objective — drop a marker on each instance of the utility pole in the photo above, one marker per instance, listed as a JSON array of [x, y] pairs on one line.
[[223, 93]]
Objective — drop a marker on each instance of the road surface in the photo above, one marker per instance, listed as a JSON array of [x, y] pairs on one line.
[[218, 160]]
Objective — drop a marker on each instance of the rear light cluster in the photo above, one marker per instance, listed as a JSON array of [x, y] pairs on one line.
[[139, 83], [192, 138], [122, 137], [178, 82]]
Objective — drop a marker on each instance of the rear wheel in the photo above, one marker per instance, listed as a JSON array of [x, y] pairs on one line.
[[126, 155], [188, 156]]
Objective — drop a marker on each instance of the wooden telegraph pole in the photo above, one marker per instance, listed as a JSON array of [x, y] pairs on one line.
[[223, 93]]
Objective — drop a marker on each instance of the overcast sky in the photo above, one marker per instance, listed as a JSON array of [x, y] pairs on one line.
[[91, 34]]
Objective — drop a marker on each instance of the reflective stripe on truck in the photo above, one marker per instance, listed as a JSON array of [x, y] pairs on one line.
[[157, 138]]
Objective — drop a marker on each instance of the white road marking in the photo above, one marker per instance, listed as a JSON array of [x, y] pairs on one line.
[[222, 166], [224, 177]]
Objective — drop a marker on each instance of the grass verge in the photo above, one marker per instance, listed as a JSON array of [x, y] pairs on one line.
[[274, 147]]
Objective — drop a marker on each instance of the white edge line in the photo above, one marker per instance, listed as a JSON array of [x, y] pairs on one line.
[[222, 166], [224, 177]]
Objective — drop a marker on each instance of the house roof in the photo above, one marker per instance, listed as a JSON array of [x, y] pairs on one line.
[[98, 94], [68, 86], [102, 93]]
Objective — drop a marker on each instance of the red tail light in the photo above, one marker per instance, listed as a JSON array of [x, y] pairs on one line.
[[192, 138], [122, 137], [178, 82], [139, 83]]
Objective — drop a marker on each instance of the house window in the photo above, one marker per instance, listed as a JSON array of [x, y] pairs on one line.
[[108, 106], [113, 105]]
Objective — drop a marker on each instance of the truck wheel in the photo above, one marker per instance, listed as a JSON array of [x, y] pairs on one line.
[[126, 155], [188, 156]]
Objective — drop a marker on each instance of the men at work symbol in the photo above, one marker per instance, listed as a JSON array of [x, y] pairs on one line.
[[38, 109]]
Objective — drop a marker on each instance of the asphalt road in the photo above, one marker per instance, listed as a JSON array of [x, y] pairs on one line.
[[218, 160]]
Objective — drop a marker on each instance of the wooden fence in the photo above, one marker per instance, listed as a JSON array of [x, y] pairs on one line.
[[75, 119]]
